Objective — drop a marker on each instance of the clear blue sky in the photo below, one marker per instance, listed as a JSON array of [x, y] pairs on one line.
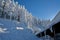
[[43, 9]]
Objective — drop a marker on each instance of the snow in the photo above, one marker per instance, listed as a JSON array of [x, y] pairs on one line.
[[55, 20], [19, 28], [15, 31], [15, 34]]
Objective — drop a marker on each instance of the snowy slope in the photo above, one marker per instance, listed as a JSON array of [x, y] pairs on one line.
[[15, 34]]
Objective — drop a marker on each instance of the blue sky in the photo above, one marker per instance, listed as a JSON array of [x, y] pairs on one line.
[[43, 9]]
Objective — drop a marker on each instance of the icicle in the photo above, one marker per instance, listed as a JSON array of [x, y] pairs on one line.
[[51, 29]]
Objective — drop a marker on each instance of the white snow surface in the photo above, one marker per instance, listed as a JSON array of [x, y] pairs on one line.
[[15, 34]]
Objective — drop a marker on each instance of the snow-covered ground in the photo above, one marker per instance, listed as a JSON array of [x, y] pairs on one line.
[[14, 30], [13, 33]]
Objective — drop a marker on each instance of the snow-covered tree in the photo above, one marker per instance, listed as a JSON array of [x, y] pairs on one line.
[[2, 6], [5, 7]]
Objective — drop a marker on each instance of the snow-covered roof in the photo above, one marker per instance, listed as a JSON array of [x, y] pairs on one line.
[[54, 21]]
